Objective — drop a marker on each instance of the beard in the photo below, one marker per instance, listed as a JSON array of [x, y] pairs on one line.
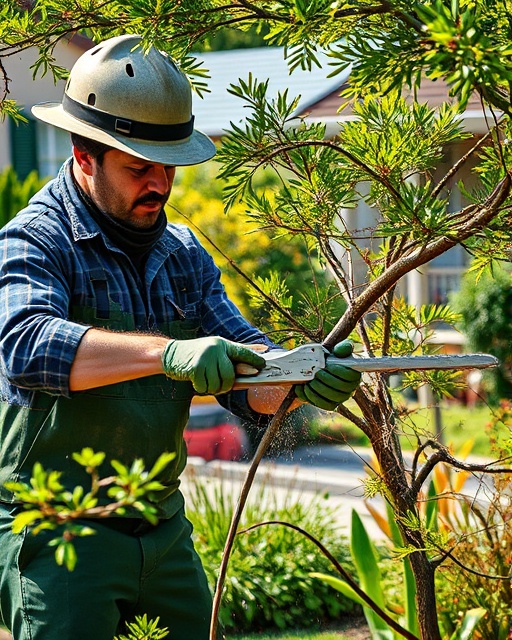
[[113, 202]]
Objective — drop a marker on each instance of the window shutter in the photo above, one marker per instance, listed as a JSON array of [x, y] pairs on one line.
[[23, 147]]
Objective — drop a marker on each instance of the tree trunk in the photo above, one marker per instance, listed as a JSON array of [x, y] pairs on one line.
[[388, 451]]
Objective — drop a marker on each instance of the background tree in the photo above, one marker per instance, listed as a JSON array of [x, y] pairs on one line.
[[388, 44], [485, 305]]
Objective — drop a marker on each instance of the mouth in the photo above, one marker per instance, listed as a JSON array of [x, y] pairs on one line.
[[151, 205]]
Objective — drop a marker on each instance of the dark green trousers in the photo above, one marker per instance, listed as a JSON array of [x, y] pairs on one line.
[[122, 571]]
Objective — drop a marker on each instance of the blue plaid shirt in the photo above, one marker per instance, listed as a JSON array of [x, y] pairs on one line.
[[55, 261]]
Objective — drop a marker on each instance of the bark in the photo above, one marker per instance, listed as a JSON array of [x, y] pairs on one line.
[[377, 412]]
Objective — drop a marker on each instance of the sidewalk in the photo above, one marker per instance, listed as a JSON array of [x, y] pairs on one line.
[[334, 470], [336, 473]]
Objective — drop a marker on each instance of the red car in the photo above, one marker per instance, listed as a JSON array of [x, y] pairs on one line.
[[213, 433]]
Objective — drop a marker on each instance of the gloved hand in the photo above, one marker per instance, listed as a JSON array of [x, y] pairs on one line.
[[208, 363], [334, 384]]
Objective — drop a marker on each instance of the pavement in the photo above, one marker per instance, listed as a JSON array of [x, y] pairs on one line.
[[333, 471]]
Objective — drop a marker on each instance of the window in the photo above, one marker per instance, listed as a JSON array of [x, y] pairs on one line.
[[53, 147], [35, 145], [23, 147]]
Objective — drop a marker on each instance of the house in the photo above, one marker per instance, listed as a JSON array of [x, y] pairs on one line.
[[39, 146], [36, 145]]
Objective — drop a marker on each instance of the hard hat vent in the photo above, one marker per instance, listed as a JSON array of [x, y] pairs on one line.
[[91, 99], [129, 70]]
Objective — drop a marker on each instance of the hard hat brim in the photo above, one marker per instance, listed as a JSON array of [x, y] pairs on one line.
[[195, 149]]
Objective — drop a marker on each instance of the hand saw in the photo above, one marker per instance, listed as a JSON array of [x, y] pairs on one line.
[[301, 364]]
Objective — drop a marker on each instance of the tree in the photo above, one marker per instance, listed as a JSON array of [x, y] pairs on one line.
[[485, 305], [285, 270], [388, 45]]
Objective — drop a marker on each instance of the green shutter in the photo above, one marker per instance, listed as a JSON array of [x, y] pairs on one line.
[[23, 147]]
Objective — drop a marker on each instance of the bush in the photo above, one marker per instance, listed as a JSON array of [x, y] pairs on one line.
[[15, 194], [485, 304], [268, 585]]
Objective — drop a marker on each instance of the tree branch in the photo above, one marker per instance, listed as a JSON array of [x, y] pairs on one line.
[[442, 455], [346, 576], [415, 259]]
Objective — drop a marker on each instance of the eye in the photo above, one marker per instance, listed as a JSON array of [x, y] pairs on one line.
[[138, 171]]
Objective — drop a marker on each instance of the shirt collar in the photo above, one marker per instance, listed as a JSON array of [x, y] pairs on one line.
[[84, 227]]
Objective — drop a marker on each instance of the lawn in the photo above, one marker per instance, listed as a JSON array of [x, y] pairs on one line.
[[355, 629], [457, 424], [299, 635]]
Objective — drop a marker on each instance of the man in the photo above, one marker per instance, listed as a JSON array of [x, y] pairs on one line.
[[110, 321]]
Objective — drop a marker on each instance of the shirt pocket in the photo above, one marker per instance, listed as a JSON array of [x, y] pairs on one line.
[[186, 322]]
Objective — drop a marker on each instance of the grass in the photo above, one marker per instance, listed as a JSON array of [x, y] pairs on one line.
[[294, 635], [328, 635], [458, 424]]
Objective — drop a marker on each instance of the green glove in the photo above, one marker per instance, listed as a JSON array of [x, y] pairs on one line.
[[208, 363], [334, 384]]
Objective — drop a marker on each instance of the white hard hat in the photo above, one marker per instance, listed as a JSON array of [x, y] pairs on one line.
[[137, 102]]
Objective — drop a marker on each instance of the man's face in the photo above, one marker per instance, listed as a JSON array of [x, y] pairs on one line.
[[130, 189]]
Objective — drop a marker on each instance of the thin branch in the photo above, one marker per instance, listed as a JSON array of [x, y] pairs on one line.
[[442, 455], [459, 164], [447, 553], [285, 314], [359, 422], [337, 271], [268, 437], [347, 577], [262, 160]]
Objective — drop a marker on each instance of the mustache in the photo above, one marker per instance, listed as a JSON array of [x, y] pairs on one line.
[[152, 198]]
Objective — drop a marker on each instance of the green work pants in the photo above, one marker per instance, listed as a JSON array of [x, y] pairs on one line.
[[122, 571]]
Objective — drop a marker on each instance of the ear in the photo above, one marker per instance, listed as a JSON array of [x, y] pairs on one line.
[[84, 160]]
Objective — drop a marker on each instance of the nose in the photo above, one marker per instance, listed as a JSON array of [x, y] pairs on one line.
[[160, 178]]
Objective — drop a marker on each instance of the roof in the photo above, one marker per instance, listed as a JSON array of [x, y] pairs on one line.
[[217, 109], [319, 94]]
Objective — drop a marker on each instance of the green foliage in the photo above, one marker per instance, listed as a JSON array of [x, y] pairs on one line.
[[9, 109], [485, 305], [268, 583], [364, 555], [465, 43], [15, 194], [48, 506], [144, 629], [299, 297]]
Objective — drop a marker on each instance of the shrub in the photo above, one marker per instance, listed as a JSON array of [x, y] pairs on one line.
[[268, 583], [15, 193], [485, 303]]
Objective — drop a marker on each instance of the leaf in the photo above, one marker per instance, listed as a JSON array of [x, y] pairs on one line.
[[469, 624], [411, 615], [381, 521], [162, 462], [364, 556], [89, 458], [341, 586], [25, 519], [365, 559]]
